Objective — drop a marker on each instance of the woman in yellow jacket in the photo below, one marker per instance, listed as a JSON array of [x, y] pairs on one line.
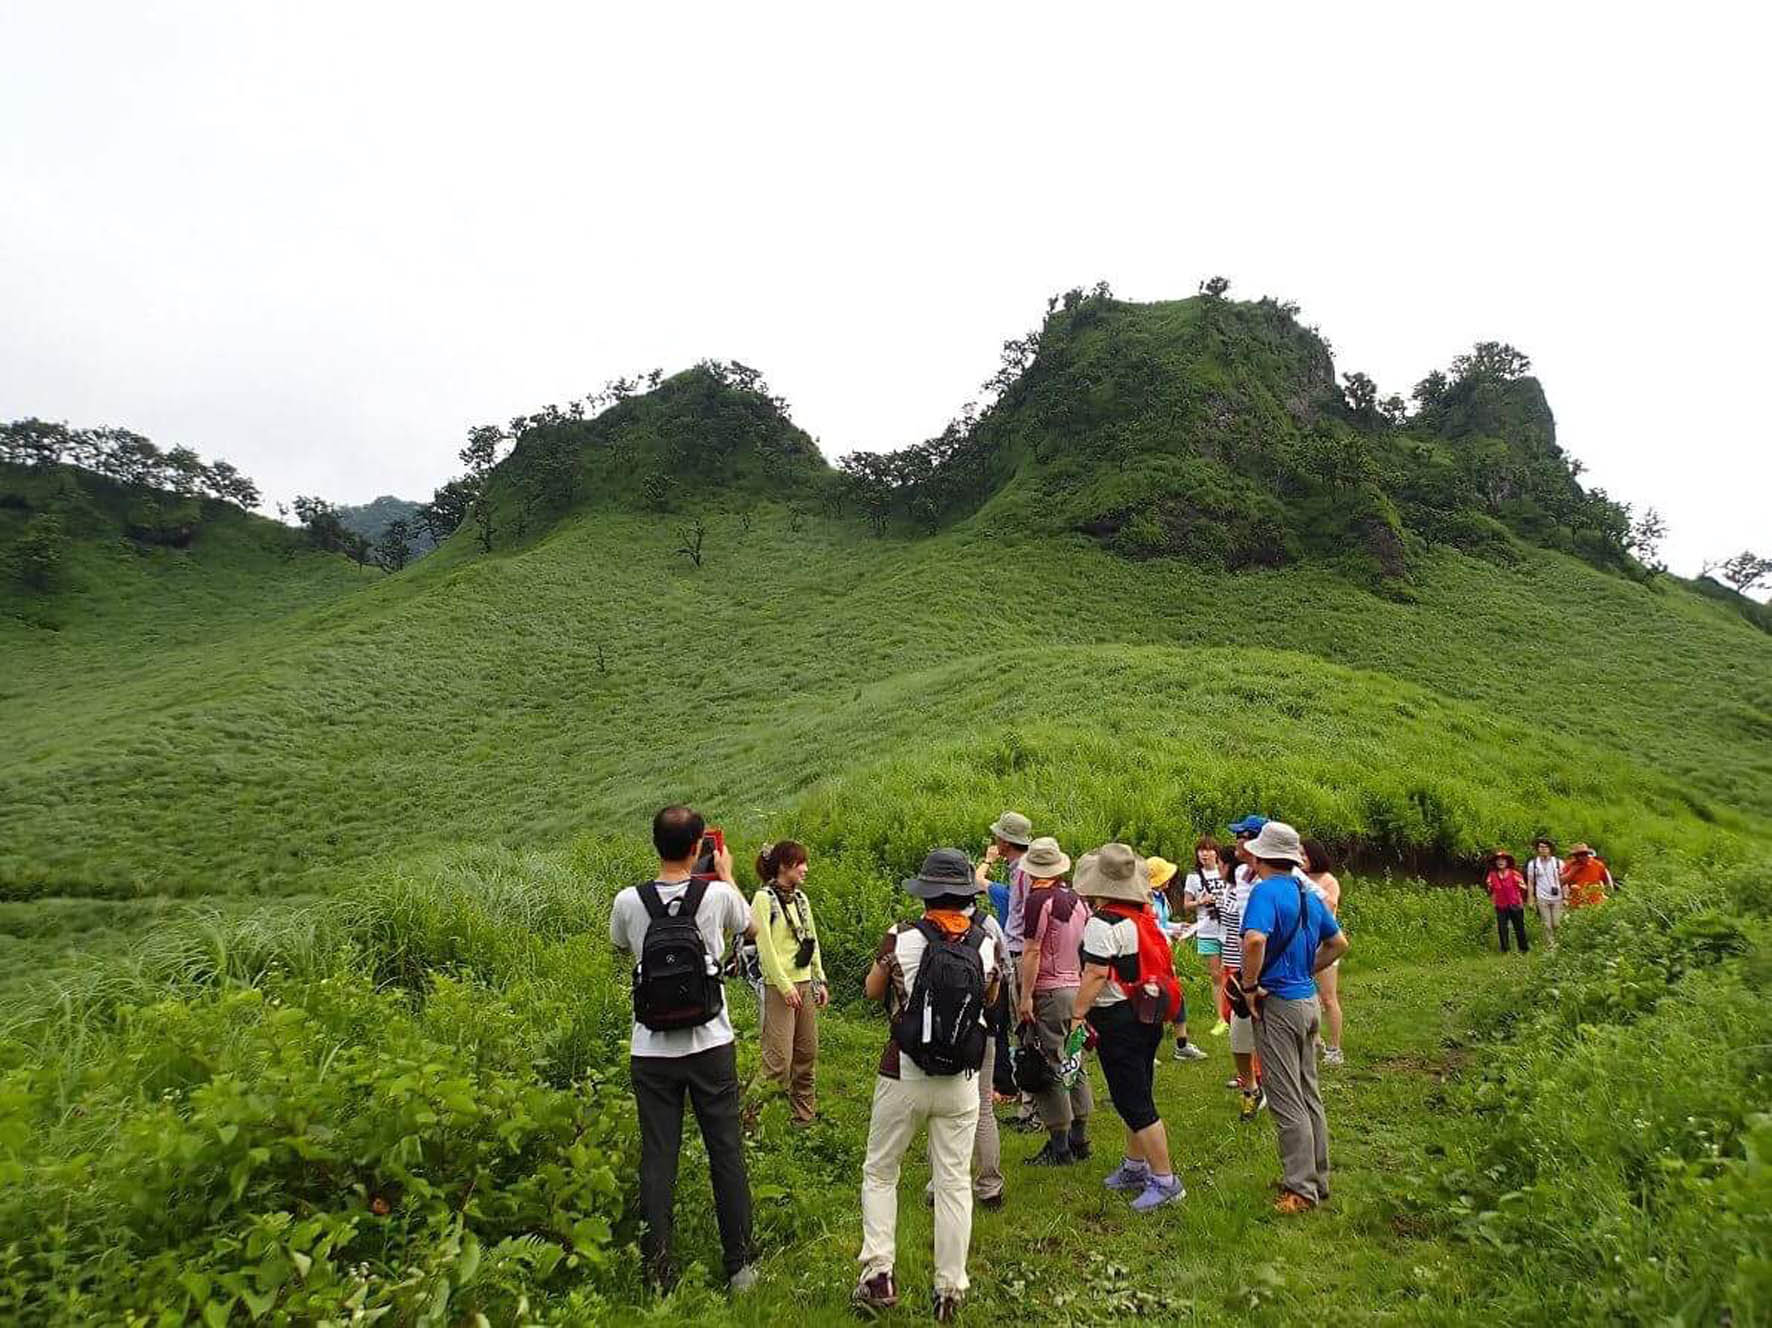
[[793, 974]]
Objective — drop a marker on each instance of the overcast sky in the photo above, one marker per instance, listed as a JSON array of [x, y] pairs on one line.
[[320, 240]]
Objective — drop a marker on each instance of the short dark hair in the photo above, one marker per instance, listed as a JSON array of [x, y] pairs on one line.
[[956, 903], [1547, 841], [676, 832]]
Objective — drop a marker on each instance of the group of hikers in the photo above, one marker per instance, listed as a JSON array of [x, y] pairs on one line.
[[1556, 886], [997, 993]]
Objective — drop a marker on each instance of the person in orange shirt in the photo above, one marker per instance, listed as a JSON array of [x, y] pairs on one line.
[[1585, 878]]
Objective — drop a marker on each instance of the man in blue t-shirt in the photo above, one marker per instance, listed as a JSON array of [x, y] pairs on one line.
[[1289, 936]]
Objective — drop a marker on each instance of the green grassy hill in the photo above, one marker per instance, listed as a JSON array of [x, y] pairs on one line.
[[286, 843]]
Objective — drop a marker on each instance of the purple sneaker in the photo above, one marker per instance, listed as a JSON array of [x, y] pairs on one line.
[[1156, 1194], [1129, 1176]]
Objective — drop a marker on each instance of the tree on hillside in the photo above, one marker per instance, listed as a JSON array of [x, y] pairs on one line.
[[391, 550], [442, 516], [320, 521], [1495, 360], [1746, 571], [126, 457], [1361, 395], [40, 555], [1644, 541], [185, 470], [692, 538], [1215, 288], [480, 456], [1431, 391]]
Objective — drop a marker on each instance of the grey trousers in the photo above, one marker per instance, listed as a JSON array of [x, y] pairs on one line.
[[1285, 1035], [987, 1149], [709, 1080], [1058, 1105]]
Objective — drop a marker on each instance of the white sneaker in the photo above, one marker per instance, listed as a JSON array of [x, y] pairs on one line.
[[743, 1280], [1333, 1056]]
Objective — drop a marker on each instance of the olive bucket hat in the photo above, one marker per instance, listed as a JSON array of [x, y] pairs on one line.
[[1045, 860], [946, 871], [1013, 828], [1114, 871]]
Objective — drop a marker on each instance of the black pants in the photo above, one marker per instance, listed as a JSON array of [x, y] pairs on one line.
[[1127, 1051], [1517, 916], [1003, 1072], [710, 1078]]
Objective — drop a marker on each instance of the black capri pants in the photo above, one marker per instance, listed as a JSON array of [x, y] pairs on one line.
[[1127, 1049]]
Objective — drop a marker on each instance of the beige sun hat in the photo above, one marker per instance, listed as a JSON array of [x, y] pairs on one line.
[[1013, 828], [1114, 871], [1277, 840], [1045, 860]]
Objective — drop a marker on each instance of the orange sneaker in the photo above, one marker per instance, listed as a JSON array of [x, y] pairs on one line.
[[1290, 1204]]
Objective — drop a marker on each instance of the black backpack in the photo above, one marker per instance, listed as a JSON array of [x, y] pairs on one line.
[[940, 1027], [676, 982]]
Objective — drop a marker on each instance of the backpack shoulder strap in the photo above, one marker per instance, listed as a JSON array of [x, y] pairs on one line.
[[655, 905], [1267, 959]]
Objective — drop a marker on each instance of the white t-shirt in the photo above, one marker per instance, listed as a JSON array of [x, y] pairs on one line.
[[723, 913], [1211, 929], [1107, 938], [1546, 876], [904, 948]]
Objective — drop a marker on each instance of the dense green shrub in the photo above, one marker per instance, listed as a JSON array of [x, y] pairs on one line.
[[301, 1150], [1618, 1161]]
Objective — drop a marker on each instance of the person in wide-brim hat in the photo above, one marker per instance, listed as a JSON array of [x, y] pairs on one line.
[[1013, 828], [1501, 855], [1045, 860], [1277, 842], [1581, 850], [946, 871], [1114, 871]]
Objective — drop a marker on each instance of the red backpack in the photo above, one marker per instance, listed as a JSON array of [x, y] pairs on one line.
[[1156, 992]]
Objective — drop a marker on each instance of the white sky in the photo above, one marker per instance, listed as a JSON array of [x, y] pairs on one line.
[[322, 239]]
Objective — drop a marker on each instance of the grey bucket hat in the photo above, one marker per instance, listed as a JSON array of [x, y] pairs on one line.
[[946, 871], [1114, 871], [1013, 828], [1045, 860], [1277, 840]]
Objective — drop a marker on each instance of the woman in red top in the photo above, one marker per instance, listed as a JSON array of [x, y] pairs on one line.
[[1508, 889]]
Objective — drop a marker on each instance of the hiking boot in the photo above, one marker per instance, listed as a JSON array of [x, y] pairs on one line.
[[945, 1305], [1128, 1176], [1291, 1204], [1081, 1148], [1049, 1156], [1333, 1056], [876, 1294], [1187, 1051], [743, 1280], [1157, 1193], [991, 1203], [1252, 1103]]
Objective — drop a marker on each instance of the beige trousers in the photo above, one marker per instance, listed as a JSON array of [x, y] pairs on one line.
[[790, 1047], [949, 1103], [1550, 913]]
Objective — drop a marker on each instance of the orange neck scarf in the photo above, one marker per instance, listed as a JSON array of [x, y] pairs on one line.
[[955, 923]]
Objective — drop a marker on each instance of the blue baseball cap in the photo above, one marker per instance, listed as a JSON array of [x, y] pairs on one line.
[[1249, 825]]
